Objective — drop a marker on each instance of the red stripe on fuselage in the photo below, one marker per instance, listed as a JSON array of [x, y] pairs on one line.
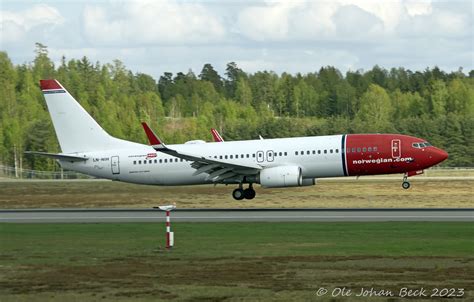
[[370, 154]]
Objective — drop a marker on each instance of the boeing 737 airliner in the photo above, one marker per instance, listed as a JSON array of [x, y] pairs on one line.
[[282, 162]]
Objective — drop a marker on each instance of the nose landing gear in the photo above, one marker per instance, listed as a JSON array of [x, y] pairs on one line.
[[405, 183], [240, 193]]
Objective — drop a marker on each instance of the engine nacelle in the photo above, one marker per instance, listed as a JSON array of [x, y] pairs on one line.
[[308, 182], [283, 176]]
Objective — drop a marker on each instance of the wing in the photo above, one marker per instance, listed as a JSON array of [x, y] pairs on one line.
[[218, 170]]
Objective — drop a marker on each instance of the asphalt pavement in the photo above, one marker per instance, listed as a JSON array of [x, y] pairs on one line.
[[232, 215]]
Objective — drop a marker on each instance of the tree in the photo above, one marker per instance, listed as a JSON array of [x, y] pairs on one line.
[[375, 111], [43, 67], [233, 74], [209, 74], [431, 104], [145, 83], [165, 86], [438, 99], [243, 93]]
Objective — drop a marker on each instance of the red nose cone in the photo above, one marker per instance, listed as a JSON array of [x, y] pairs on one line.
[[440, 155]]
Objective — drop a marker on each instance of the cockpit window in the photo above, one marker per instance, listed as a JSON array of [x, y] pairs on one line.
[[421, 145]]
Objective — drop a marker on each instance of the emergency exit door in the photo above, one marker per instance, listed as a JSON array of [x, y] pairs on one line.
[[115, 164], [396, 148]]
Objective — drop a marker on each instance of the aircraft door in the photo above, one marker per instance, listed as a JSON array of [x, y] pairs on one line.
[[260, 156], [396, 148], [115, 164], [270, 156]]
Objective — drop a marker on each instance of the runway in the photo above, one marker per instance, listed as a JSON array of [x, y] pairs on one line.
[[232, 215]]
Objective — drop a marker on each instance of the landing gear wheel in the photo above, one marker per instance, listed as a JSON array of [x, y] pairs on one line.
[[238, 194], [406, 185], [249, 193]]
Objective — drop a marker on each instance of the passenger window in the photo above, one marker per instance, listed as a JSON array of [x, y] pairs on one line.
[[337, 150], [155, 161], [241, 156], [181, 160], [220, 156], [353, 150], [134, 162], [358, 149], [364, 149], [225, 156], [325, 151], [280, 154], [150, 161], [307, 152], [161, 161], [296, 152], [369, 149], [319, 151], [166, 160], [375, 149], [330, 151], [314, 151], [231, 156], [248, 155]]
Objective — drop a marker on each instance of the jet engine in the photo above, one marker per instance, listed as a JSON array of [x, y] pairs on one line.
[[282, 176]]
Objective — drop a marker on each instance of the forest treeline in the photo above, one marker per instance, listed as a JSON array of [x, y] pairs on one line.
[[431, 104]]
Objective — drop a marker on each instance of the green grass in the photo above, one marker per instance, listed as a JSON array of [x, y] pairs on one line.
[[229, 261]]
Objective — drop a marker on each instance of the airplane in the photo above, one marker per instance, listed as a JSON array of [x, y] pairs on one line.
[[272, 163]]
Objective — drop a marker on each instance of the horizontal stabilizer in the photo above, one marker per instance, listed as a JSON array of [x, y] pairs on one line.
[[65, 157]]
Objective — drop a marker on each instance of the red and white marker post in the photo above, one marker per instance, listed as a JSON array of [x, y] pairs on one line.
[[169, 234]]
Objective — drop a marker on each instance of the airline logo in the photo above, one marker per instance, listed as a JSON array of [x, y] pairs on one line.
[[151, 155], [51, 86]]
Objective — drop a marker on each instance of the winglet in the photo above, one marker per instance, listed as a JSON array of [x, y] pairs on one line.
[[217, 137], [155, 142]]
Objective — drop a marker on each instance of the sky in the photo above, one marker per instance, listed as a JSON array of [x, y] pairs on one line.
[[154, 36]]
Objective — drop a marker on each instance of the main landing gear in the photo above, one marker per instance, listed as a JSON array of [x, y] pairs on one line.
[[240, 193], [405, 183]]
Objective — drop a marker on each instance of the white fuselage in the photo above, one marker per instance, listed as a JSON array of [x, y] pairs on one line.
[[137, 163]]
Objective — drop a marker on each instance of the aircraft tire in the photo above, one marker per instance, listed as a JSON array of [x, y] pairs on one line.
[[249, 193], [406, 185], [238, 194]]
